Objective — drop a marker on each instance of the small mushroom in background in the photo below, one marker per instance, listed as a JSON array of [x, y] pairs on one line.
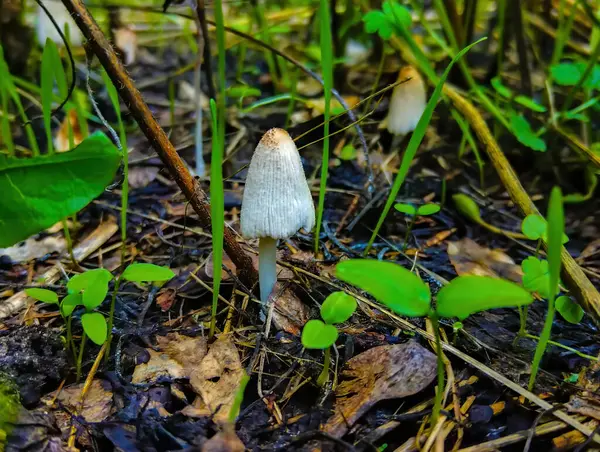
[[46, 29], [277, 201], [407, 103]]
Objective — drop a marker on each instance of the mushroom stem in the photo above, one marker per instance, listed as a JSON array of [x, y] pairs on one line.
[[267, 267]]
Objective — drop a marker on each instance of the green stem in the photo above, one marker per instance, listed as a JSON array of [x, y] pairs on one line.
[[324, 375], [111, 316], [80, 357], [523, 310], [439, 393], [69, 242], [408, 231], [542, 343], [566, 347]]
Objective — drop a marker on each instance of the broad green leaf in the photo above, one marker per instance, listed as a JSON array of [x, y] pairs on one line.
[[238, 91], [389, 19], [534, 226], [397, 14], [566, 74], [69, 303], [338, 307], [536, 276], [94, 325], [394, 286], [318, 335], [407, 209], [428, 209], [82, 281], [45, 295], [147, 273], [348, 152], [520, 99], [40, 191], [467, 207], [95, 292], [569, 310], [466, 295], [522, 130]]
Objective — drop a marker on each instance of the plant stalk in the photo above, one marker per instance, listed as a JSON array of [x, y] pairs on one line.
[[267, 267]]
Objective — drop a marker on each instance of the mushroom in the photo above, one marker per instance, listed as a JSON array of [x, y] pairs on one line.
[[407, 103], [277, 201]]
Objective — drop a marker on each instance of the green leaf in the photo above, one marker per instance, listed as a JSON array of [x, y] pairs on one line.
[[556, 224], [94, 325], [338, 307], [45, 295], [40, 191], [83, 280], [467, 207], [536, 276], [318, 335], [243, 91], [69, 303], [466, 295], [394, 286], [569, 310], [565, 74], [348, 152], [520, 99], [428, 209], [522, 130], [407, 209], [147, 273], [95, 293], [534, 226], [392, 17], [377, 22]]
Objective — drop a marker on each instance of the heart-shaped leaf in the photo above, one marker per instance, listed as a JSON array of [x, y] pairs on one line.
[[45, 295], [536, 276], [81, 281], [94, 325], [569, 310], [318, 335], [38, 192], [466, 295], [69, 303], [394, 286], [147, 273], [524, 133], [534, 226], [338, 307], [95, 293]]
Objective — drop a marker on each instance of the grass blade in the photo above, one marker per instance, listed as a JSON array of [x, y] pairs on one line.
[[327, 63], [47, 84], [415, 141]]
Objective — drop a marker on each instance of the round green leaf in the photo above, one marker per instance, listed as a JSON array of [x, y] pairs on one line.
[[147, 273], [536, 276], [318, 335], [569, 310], [81, 281], [468, 294], [95, 293], [338, 307], [94, 325], [394, 286], [45, 295], [534, 226], [69, 303], [467, 207], [428, 209], [407, 209]]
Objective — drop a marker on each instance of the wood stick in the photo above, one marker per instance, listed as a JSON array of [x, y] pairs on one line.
[[156, 136]]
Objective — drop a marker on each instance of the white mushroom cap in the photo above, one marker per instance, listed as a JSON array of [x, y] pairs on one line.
[[407, 103], [277, 200]]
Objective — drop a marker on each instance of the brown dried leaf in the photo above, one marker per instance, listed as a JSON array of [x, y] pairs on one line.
[[380, 373], [289, 313], [177, 358], [469, 258], [61, 141], [224, 441], [216, 381], [98, 402], [165, 299], [141, 176]]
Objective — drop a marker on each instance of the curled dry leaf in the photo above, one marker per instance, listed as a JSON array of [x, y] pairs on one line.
[[216, 381], [178, 357], [61, 140], [381, 373], [469, 258]]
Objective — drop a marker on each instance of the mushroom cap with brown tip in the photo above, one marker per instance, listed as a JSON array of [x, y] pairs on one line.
[[277, 201], [408, 102]]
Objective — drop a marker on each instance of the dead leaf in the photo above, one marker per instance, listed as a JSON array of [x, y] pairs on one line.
[[216, 381], [224, 441], [34, 248], [126, 41], [468, 258], [380, 373], [141, 176], [318, 105], [61, 140], [177, 358], [165, 299], [289, 313]]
